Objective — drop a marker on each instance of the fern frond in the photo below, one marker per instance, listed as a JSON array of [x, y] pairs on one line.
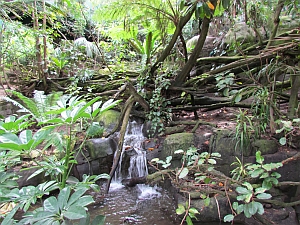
[[55, 139], [51, 100], [28, 104], [14, 102]]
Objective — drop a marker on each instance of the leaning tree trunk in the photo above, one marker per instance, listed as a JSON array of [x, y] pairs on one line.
[[278, 9], [183, 20], [183, 74], [127, 109]]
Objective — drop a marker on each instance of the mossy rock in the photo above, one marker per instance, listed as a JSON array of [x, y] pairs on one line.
[[175, 142], [109, 119], [101, 147], [265, 146]]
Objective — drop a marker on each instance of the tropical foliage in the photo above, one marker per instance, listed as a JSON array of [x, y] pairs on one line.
[[65, 62]]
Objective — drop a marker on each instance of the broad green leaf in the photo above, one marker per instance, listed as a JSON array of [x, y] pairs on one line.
[[259, 190], [193, 210], [53, 121], [75, 196], [210, 168], [207, 180], [257, 172], [11, 146], [225, 4], [75, 212], [242, 190], [168, 159], [63, 197], [25, 136], [180, 209], [109, 104], [155, 160], [226, 92], [51, 205], [267, 185], [228, 218], [216, 154], [180, 151], [204, 154], [183, 173], [246, 211], [260, 208], [188, 220], [264, 196], [272, 166], [207, 201], [201, 161], [238, 98], [240, 209], [10, 138], [276, 175], [166, 165], [264, 175], [212, 161], [252, 208], [259, 158], [248, 197], [37, 172], [282, 141], [99, 220], [85, 200]]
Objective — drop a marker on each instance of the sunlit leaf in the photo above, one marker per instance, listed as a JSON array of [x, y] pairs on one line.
[[264, 196], [51, 205], [75, 212], [183, 173], [211, 6], [180, 210], [282, 141], [228, 218], [193, 210]]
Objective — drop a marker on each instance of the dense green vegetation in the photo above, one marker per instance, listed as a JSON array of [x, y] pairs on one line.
[[66, 62]]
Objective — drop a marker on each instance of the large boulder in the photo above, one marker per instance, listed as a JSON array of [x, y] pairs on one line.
[[208, 46], [101, 147], [175, 142], [109, 119], [265, 146]]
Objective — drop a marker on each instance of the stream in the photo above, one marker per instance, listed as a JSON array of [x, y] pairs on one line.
[[141, 204], [151, 206]]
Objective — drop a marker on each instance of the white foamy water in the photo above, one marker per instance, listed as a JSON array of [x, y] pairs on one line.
[[133, 140]]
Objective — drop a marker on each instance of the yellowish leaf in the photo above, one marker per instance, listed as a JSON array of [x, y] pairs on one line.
[[211, 6]]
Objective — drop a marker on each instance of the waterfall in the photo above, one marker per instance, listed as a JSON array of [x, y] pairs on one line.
[[133, 147], [133, 143]]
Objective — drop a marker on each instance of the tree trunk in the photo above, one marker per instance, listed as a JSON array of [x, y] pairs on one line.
[[278, 9], [293, 102], [183, 20], [127, 109], [183, 74], [45, 64]]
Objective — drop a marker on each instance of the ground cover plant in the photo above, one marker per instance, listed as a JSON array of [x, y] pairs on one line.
[[59, 59]]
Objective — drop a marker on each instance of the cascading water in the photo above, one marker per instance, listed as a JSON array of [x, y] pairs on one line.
[[133, 141], [137, 205]]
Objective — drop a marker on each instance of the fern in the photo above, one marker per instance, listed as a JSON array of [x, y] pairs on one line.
[[38, 106], [55, 139], [28, 104]]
